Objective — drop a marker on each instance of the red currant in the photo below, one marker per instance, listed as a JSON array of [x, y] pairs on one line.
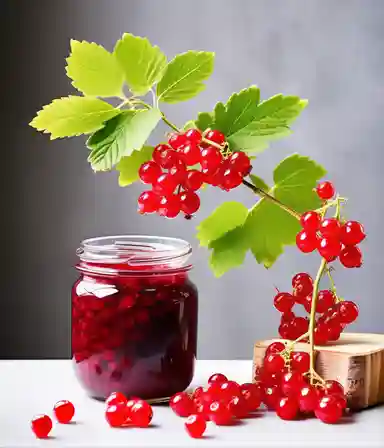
[[329, 248], [190, 153], [116, 414], [299, 326], [307, 303], [332, 387], [168, 158], [211, 159], [116, 398], [328, 410], [238, 406], [287, 408], [320, 335], [252, 395], [41, 425], [219, 413], [169, 206], [310, 221], [231, 179], [287, 317], [283, 302], [159, 153], [141, 414], [217, 378], [213, 179], [149, 172], [306, 241], [308, 399], [64, 411], [228, 389], [179, 172], [275, 347], [189, 202], [194, 180], [274, 363], [352, 233], [285, 330], [239, 161], [165, 184], [351, 257], [176, 140], [195, 425], [325, 300], [148, 202], [215, 136], [292, 383], [182, 404], [300, 362], [348, 312], [330, 227], [194, 136], [325, 190], [342, 401], [302, 284], [271, 396]]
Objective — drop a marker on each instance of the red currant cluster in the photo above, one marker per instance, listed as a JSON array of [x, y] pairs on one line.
[[221, 402], [333, 314], [175, 178], [123, 412], [285, 387], [329, 236], [42, 424]]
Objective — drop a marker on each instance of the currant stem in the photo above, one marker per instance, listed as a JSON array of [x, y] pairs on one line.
[[312, 318], [292, 344], [264, 194], [169, 123]]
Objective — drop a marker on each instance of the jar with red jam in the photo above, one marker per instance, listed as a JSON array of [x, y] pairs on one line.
[[134, 317]]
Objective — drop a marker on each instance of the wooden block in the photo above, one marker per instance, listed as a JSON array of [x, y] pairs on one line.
[[356, 361]]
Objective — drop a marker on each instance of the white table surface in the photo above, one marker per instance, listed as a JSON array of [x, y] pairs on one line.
[[32, 387]]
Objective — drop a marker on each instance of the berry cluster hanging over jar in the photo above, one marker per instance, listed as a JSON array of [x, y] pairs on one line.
[[214, 149]]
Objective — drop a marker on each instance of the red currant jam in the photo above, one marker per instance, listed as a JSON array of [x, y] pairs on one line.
[[134, 317]]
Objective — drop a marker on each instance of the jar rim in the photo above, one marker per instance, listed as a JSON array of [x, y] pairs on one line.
[[133, 253]]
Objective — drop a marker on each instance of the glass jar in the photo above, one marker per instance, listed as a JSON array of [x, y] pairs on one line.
[[134, 317]]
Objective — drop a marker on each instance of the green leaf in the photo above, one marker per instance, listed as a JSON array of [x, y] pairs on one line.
[[129, 165], [270, 228], [73, 115], [143, 64], [204, 120], [93, 70], [120, 137], [271, 121], [225, 218], [259, 182], [228, 251], [183, 78]]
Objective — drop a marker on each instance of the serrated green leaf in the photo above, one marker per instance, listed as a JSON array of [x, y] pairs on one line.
[[73, 115], [143, 64], [259, 182], [189, 125], [93, 70], [269, 227], [120, 137], [183, 78], [128, 166], [271, 121], [225, 218], [204, 120], [228, 251]]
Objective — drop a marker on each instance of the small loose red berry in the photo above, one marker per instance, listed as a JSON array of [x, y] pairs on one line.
[[300, 362], [195, 425], [283, 302], [149, 172], [148, 202], [240, 162], [116, 398], [287, 408], [351, 257], [219, 413], [302, 284], [329, 248], [193, 135], [182, 404], [348, 312], [228, 389], [215, 136], [41, 425], [252, 394], [189, 202], [308, 399], [325, 190], [141, 414], [193, 180], [330, 227], [177, 140], [237, 406], [310, 221], [64, 411], [116, 414], [328, 410], [352, 233], [306, 241], [217, 378]]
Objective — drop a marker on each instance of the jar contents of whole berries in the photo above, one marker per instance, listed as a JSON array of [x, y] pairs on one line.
[[134, 317]]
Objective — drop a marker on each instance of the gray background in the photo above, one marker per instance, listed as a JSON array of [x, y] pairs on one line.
[[328, 51]]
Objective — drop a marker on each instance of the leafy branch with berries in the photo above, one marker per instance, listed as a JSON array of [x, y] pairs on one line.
[[120, 104]]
